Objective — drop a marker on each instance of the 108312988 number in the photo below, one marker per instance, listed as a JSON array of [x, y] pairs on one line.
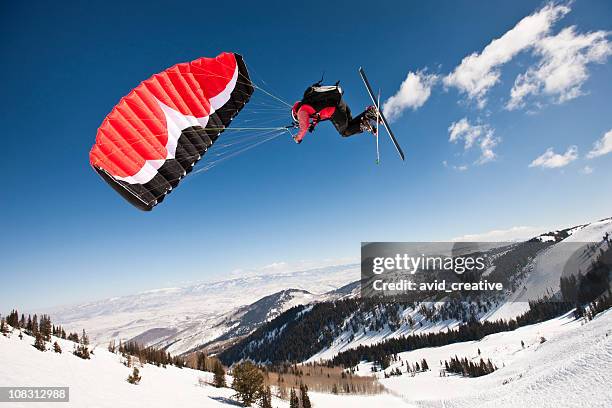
[[25, 394]]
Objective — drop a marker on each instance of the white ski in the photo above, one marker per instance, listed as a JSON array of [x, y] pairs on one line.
[[384, 120]]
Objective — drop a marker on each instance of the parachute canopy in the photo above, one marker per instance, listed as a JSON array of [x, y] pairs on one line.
[[156, 134]]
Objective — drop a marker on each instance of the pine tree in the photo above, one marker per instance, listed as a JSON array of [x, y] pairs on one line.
[[57, 348], [135, 377], [45, 327], [219, 375], [84, 339], [248, 383], [304, 396], [424, 365], [294, 401], [266, 398], [3, 327], [39, 342], [13, 319], [81, 349]]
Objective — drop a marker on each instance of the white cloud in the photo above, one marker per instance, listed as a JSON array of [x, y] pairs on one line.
[[477, 73], [474, 135], [511, 234], [551, 160], [562, 68], [602, 146], [487, 143], [413, 93], [587, 170], [457, 129], [462, 167]]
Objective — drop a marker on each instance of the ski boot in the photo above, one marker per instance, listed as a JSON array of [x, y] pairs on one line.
[[366, 126], [371, 112]]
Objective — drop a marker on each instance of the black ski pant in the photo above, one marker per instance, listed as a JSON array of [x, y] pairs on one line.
[[344, 122]]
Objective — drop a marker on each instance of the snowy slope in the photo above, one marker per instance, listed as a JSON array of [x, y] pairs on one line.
[[570, 254], [101, 381], [190, 316], [548, 267], [572, 368]]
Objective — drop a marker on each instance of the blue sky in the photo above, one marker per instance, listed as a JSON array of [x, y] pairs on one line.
[[67, 237]]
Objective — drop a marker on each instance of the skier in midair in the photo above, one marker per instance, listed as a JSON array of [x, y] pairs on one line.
[[324, 102]]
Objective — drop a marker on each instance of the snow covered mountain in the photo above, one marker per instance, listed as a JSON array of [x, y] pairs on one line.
[[218, 314], [231, 326], [185, 318], [574, 251], [324, 331]]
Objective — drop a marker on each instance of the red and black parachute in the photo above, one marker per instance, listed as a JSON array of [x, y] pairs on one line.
[[154, 136]]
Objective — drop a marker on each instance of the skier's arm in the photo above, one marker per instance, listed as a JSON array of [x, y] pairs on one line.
[[304, 121]]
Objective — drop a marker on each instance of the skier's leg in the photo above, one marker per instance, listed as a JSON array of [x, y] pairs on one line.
[[354, 126], [363, 122], [344, 122], [341, 117]]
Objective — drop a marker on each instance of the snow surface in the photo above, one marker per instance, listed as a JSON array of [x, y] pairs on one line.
[[572, 368], [101, 381]]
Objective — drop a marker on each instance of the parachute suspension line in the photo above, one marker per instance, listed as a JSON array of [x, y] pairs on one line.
[[247, 128], [223, 146], [271, 135], [271, 95], [257, 74], [267, 92], [224, 157], [252, 83]]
